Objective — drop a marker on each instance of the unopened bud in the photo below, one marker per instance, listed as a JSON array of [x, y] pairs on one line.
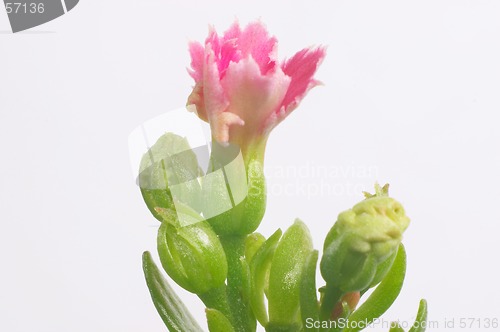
[[192, 256], [360, 245]]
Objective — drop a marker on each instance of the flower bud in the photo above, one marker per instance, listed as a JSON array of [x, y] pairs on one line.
[[360, 247], [168, 175], [192, 256]]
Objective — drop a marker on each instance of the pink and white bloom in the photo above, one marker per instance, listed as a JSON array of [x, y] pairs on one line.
[[242, 89]]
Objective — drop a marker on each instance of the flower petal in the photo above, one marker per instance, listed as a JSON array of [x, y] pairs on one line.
[[196, 98], [253, 96], [255, 41], [229, 51], [301, 68], [197, 52], [213, 93], [221, 125]]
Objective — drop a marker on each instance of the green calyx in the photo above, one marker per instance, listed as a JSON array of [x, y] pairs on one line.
[[244, 180]]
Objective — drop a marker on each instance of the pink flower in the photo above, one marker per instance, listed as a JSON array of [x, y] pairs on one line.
[[241, 88]]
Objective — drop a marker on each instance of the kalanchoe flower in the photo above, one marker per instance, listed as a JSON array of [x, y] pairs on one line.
[[242, 89], [361, 245]]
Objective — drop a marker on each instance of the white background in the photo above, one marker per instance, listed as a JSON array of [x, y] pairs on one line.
[[411, 96]]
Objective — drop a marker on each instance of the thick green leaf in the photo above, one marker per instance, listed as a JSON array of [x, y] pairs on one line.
[[309, 307], [284, 278], [259, 268], [383, 296], [396, 328], [171, 309], [217, 322], [421, 320], [252, 244]]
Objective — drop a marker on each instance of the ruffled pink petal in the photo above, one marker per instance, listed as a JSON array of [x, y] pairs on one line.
[[301, 68], [213, 94], [255, 41], [233, 32], [214, 41], [253, 96], [197, 52], [229, 49]]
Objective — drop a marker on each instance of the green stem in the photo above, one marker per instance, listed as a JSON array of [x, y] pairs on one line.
[[254, 149], [237, 287], [217, 299], [331, 296]]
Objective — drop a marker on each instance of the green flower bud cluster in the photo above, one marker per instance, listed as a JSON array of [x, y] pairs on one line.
[[207, 246], [197, 209], [360, 247]]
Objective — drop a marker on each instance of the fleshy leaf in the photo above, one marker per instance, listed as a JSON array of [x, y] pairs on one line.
[[309, 308], [217, 322], [383, 296], [259, 267], [171, 309], [252, 244], [421, 320], [285, 276]]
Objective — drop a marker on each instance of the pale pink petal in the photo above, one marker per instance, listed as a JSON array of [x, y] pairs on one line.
[[222, 123], [197, 99], [255, 41], [213, 94], [301, 68], [197, 52], [252, 96]]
